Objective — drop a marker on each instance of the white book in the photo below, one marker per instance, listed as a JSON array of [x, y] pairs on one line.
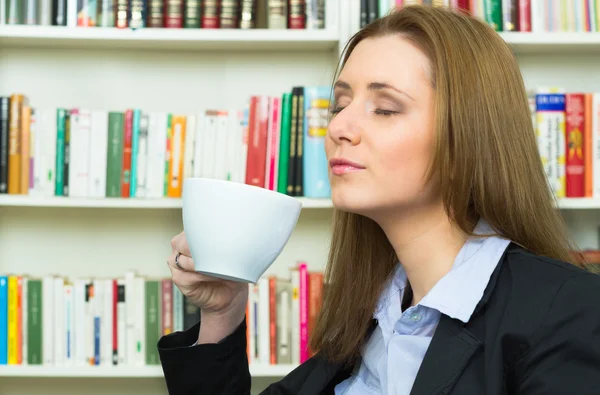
[[80, 325], [210, 144], [46, 155], [157, 145], [71, 13], [188, 150], [98, 149], [233, 158], [244, 145], [59, 322], [34, 149], [120, 358], [130, 317], [69, 303], [221, 152], [89, 323], [48, 320], [199, 144], [140, 321], [106, 323], [264, 343], [79, 151], [177, 309], [45, 16], [142, 158], [250, 322]]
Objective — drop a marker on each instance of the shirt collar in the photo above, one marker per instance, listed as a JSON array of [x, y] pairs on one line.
[[460, 290]]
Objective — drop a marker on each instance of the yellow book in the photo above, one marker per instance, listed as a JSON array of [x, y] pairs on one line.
[[178, 126], [13, 317]]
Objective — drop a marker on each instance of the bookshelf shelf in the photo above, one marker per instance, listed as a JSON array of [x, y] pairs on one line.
[[551, 42], [579, 203], [121, 372], [130, 203], [168, 39]]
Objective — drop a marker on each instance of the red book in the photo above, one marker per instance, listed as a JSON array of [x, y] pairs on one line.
[[126, 174], [210, 14], [575, 162], [315, 299], [297, 14], [256, 160], [174, 13], [524, 15]]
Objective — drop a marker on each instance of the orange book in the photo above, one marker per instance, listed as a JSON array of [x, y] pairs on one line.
[[14, 144], [587, 145], [175, 177], [127, 141], [273, 320], [25, 141]]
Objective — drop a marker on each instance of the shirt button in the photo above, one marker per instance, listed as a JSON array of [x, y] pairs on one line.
[[415, 317]]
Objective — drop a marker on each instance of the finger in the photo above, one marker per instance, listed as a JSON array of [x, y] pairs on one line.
[[179, 243], [185, 263]]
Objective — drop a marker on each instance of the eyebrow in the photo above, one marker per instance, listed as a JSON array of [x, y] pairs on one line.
[[373, 86]]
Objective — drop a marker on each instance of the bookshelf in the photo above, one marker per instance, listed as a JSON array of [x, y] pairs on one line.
[[125, 203], [183, 70]]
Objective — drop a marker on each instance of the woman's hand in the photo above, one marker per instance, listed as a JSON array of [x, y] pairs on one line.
[[222, 303]]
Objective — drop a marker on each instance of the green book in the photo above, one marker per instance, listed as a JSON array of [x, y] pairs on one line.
[[493, 13], [284, 145], [114, 154], [153, 320], [61, 115], [34, 322], [15, 12]]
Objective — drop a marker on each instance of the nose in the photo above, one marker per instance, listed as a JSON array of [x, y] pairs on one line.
[[344, 128]]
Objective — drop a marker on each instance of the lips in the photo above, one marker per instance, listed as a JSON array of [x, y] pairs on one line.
[[341, 166]]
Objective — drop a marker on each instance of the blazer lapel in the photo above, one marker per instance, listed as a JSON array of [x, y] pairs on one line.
[[451, 348]]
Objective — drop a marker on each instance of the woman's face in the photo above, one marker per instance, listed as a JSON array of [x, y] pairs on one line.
[[383, 124]]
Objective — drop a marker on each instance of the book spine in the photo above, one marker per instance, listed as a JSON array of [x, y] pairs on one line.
[[524, 15], [135, 146], [189, 145], [127, 142], [4, 133], [294, 131], [98, 149], [14, 144], [272, 320], [295, 321], [210, 14], [302, 269], [48, 320], [277, 13], [122, 15], [34, 322], [69, 300], [297, 14], [4, 307], [191, 314], [510, 15], [550, 110], [264, 343], [86, 13], [299, 166], [114, 158], [14, 12], [587, 144], [31, 14], [66, 164], [493, 13], [166, 327], [34, 151], [137, 14], [230, 14], [142, 158], [121, 341], [106, 13], [61, 114], [315, 14], [153, 323], [315, 169], [79, 176], [156, 15], [59, 322], [248, 14], [59, 12], [177, 309], [315, 298], [575, 163], [177, 149], [192, 14], [174, 13]]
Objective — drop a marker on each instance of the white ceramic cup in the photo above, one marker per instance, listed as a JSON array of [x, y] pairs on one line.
[[236, 231]]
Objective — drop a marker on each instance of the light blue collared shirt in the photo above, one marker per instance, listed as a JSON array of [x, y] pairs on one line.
[[393, 354]]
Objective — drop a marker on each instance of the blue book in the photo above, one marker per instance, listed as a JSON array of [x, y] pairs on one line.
[[3, 320], [315, 182], [135, 142], [550, 102]]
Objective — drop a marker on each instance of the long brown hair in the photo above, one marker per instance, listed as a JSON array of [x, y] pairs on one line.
[[486, 162]]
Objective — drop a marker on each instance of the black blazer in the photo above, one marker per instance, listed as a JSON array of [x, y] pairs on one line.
[[536, 331]]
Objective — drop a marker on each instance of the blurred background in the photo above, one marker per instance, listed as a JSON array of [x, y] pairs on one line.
[[106, 106]]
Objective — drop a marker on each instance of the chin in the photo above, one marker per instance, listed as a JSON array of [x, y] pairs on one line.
[[357, 202]]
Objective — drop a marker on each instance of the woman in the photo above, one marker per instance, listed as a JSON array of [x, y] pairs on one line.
[[450, 269]]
